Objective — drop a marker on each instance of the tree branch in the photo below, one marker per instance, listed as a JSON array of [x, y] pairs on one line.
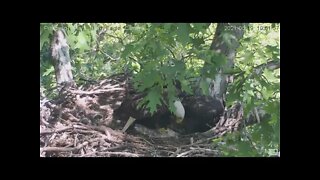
[[96, 92], [271, 65]]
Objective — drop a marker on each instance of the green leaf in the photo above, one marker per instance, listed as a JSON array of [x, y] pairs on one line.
[[270, 75], [277, 131], [197, 42], [262, 81], [256, 134], [71, 27], [44, 37], [48, 71], [168, 70], [127, 50], [149, 79], [233, 96], [201, 27], [71, 40], [82, 42], [135, 66], [218, 59], [167, 26], [154, 99], [266, 131], [247, 39], [249, 105], [185, 86], [248, 57], [245, 148], [267, 93], [93, 34], [204, 86], [183, 33]]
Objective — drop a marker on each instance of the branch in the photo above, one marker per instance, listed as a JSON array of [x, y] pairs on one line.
[[126, 154], [114, 59], [63, 149], [121, 40], [271, 65], [256, 113], [174, 57], [198, 150], [96, 92], [55, 131]]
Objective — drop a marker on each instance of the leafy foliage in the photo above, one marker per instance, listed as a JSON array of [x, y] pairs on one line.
[[257, 86]]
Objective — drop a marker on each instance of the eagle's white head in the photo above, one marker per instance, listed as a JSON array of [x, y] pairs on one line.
[[179, 113]]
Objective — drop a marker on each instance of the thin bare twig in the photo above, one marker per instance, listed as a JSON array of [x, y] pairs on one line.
[[256, 113]]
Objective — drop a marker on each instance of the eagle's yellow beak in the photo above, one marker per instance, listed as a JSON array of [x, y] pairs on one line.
[[179, 120]]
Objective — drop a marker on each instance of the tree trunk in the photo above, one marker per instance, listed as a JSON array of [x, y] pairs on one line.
[[235, 31], [61, 58]]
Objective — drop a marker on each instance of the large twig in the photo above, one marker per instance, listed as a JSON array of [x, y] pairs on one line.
[[271, 65], [95, 92], [116, 147], [256, 114], [198, 150], [84, 131], [258, 70], [54, 131], [63, 149], [126, 154], [112, 58]]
